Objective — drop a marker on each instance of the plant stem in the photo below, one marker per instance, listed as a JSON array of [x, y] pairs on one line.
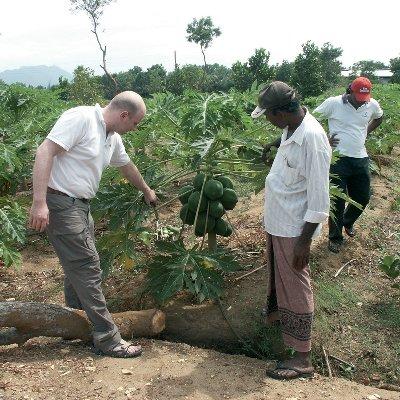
[[169, 117], [212, 241], [177, 139], [198, 205], [179, 174], [182, 227], [160, 162], [231, 173], [236, 162], [234, 229], [241, 340]]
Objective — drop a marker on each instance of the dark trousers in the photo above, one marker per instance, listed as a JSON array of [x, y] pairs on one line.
[[353, 177]]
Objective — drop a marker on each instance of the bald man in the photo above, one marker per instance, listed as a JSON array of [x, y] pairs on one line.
[[66, 175]]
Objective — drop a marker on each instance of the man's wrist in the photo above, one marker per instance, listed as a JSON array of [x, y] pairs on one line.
[[39, 200]]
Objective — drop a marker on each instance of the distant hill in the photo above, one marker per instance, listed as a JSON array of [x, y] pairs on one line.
[[39, 75]]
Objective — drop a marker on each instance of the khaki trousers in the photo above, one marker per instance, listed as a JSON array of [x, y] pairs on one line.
[[71, 232]]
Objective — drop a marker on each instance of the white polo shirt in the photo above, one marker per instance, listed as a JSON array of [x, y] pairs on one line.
[[81, 131], [349, 124], [297, 186]]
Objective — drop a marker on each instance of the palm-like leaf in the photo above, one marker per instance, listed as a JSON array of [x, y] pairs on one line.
[[176, 268]]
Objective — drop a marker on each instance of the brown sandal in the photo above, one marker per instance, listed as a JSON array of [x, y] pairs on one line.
[[299, 373], [121, 350]]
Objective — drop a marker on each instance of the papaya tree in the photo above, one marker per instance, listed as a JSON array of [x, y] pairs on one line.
[[204, 142]]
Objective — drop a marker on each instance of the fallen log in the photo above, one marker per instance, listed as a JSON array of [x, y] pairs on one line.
[[25, 320]]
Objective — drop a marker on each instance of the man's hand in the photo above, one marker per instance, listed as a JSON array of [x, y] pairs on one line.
[[150, 197], [269, 153], [39, 216], [301, 254], [333, 140], [266, 150]]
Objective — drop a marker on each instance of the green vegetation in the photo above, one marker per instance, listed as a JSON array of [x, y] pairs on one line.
[[206, 141], [26, 115], [390, 265]]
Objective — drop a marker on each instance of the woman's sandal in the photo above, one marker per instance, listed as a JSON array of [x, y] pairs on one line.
[[121, 350]]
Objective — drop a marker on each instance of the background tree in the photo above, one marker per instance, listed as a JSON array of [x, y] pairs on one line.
[[133, 79], [156, 79], [202, 32], [241, 76], [219, 78], [258, 65], [366, 68], [331, 66], [308, 75], [255, 69], [85, 87], [395, 68], [94, 9], [284, 71], [62, 87], [186, 77]]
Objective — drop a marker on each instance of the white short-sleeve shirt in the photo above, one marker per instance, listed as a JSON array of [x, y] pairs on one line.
[[81, 131], [349, 124]]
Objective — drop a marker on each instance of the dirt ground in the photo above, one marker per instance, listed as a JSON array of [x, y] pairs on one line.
[[54, 369]]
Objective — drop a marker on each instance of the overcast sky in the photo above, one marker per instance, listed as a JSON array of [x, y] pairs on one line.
[[143, 33]]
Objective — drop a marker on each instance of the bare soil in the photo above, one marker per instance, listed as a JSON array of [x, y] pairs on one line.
[[52, 370]]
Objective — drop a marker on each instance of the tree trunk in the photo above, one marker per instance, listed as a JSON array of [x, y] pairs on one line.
[[204, 59], [31, 319]]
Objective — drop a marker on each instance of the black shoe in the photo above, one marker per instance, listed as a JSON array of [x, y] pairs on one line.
[[334, 247], [350, 231]]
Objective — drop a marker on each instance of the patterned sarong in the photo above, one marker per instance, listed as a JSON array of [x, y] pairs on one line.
[[289, 293]]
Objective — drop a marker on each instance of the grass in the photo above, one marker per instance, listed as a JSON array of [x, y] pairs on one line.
[[387, 313], [333, 302], [269, 341]]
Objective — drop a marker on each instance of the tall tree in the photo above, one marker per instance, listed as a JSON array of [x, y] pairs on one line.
[[94, 10], [202, 32], [331, 66], [395, 68], [258, 65], [308, 76]]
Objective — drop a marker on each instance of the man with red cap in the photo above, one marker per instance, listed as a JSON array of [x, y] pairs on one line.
[[351, 117]]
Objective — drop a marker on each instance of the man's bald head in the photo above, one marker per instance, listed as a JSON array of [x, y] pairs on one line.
[[128, 101], [124, 112]]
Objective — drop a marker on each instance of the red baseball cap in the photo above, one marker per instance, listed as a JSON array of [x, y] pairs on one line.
[[361, 87]]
